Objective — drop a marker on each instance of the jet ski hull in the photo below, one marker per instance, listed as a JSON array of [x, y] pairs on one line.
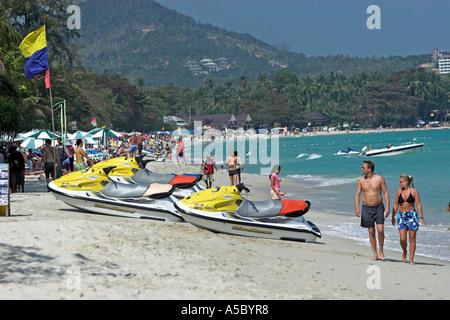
[[95, 202], [279, 228]]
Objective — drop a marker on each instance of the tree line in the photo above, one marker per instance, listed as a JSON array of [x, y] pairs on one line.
[[363, 98]]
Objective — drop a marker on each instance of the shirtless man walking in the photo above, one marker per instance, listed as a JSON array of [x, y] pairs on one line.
[[232, 172], [373, 187]]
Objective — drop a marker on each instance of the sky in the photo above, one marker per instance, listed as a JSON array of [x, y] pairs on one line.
[[330, 27]]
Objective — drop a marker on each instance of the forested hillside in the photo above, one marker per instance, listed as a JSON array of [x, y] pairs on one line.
[[271, 85], [142, 39]]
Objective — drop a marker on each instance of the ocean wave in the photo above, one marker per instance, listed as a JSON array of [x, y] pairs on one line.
[[323, 181], [430, 244], [309, 156]]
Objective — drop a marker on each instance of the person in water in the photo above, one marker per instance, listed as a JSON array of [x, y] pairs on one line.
[[373, 188], [407, 199]]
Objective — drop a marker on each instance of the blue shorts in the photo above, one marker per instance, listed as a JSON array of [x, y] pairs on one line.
[[408, 220], [133, 148]]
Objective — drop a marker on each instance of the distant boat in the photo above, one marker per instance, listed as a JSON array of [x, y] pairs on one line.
[[391, 150], [347, 152]]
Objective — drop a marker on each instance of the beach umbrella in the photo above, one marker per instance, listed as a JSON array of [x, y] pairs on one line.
[[32, 143], [79, 135], [90, 140], [26, 135], [104, 133], [44, 134]]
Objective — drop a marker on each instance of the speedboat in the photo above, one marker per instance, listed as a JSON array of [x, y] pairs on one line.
[[347, 152], [391, 150], [224, 210], [98, 193]]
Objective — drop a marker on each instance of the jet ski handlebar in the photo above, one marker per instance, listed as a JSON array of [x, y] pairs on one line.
[[241, 187]]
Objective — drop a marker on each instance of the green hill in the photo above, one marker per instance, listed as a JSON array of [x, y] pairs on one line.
[[142, 39]]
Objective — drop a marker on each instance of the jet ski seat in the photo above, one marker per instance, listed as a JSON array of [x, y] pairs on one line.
[[159, 191], [119, 190], [267, 208], [184, 181], [147, 177], [179, 181]]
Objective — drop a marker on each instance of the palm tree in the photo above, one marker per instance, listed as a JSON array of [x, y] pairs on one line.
[[308, 90]]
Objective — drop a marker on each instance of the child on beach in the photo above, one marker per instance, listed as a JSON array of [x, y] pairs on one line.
[[275, 183]]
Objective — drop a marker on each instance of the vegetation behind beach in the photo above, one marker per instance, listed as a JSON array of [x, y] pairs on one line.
[[125, 68]]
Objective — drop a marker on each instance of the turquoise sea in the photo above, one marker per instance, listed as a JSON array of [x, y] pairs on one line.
[[330, 181]]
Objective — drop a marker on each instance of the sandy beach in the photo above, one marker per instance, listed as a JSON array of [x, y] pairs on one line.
[[49, 250]]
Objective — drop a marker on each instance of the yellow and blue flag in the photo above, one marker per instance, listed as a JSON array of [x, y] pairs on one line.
[[34, 49]]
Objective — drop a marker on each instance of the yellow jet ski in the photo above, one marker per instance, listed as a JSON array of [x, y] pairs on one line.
[[133, 171], [223, 209], [94, 191]]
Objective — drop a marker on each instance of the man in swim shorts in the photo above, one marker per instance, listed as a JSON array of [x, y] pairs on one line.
[[232, 172], [180, 151], [373, 187], [133, 143]]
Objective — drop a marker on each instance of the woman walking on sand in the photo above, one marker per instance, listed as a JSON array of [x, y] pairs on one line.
[[407, 198], [275, 183]]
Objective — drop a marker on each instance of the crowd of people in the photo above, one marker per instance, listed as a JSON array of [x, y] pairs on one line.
[[52, 161]]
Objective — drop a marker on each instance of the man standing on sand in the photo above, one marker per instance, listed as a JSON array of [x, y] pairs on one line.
[[373, 210], [133, 142], [180, 151]]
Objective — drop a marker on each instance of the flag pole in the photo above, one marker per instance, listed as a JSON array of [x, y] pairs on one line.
[[53, 129]]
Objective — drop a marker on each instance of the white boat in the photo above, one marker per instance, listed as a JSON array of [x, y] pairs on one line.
[[391, 150]]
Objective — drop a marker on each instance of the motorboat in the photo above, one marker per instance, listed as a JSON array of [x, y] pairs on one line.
[[98, 193], [223, 209], [391, 150], [347, 152]]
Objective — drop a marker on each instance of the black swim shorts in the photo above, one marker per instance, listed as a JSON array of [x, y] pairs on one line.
[[372, 215], [232, 172]]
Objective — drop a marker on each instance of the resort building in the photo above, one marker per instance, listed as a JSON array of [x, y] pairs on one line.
[[444, 65], [442, 58], [222, 121], [207, 65]]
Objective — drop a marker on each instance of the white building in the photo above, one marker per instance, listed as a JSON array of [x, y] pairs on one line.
[[444, 65], [443, 59]]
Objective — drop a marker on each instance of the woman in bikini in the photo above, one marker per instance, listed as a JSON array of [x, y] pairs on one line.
[[80, 156], [406, 200]]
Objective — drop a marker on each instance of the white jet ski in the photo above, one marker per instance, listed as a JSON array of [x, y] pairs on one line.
[[223, 209], [99, 194]]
